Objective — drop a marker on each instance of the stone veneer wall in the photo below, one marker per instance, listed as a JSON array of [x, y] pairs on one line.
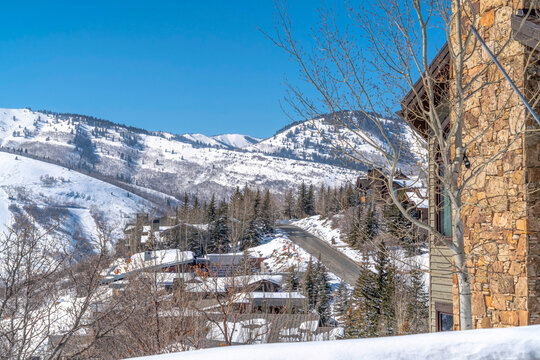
[[503, 222]]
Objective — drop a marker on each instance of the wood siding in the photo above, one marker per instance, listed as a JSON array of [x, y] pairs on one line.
[[440, 257]]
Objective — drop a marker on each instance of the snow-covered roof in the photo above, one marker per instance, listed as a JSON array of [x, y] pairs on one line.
[[146, 261], [166, 278], [220, 284], [420, 202], [259, 295]]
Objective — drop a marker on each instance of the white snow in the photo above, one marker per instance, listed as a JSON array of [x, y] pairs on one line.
[[206, 164], [486, 344], [207, 140], [148, 260], [26, 182], [322, 228], [283, 255], [236, 140]]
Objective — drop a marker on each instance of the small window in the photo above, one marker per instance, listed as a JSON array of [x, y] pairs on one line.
[[445, 316], [445, 215], [446, 321], [444, 209]]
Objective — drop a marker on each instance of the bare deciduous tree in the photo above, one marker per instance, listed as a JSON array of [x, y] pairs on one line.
[[369, 66]]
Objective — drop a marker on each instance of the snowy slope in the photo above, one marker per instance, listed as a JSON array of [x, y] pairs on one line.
[[49, 193], [236, 140], [160, 161], [203, 139], [486, 344], [326, 140]]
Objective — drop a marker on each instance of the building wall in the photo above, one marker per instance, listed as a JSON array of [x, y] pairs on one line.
[[501, 222], [532, 157], [440, 257]]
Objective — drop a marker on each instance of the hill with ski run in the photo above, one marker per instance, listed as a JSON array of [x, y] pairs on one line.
[[161, 166]]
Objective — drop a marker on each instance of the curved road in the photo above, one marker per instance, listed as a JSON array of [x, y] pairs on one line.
[[335, 261]]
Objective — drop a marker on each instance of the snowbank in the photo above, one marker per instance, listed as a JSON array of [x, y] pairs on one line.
[[509, 343]]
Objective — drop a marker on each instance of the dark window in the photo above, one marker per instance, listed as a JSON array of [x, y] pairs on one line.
[[445, 317], [446, 321], [444, 213]]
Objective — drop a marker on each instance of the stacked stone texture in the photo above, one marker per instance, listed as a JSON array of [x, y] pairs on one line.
[[502, 218]]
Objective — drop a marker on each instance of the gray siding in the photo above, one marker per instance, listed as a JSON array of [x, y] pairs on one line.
[[440, 263]]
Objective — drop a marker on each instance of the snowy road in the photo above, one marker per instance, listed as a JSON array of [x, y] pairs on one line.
[[337, 262]]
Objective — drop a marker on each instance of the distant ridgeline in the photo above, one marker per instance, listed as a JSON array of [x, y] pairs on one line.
[[198, 164]]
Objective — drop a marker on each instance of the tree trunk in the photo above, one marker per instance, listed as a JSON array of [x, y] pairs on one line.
[[463, 281]]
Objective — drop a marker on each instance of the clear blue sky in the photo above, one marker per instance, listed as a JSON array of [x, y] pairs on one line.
[[179, 66]]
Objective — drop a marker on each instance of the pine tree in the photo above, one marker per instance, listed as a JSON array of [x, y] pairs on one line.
[[360, 319], [369, 292], [219, 232], [341, 299], [267, 221], [320, 204], [354, 235], [384, 291], [309, 285], [369, 226], [291, 281], [309, 202], [289, 208], [301, 201], [401, 228], [323, 296], [185, 202], [417, 309], [252, 236], [353, 322], [211, 211]]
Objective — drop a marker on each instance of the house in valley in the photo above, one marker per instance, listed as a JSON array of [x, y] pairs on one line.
[[501, 221]]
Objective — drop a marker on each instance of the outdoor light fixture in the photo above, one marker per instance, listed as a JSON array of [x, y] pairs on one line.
[[466, 161]]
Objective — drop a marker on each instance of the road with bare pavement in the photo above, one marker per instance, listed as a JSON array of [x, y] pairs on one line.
[[335, 261]]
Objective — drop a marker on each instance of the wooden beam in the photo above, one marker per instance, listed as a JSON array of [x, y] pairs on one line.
[[526, 31]]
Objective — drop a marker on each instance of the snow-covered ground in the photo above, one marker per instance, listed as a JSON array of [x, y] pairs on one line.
[[486, 344], [322, 228], [46, 192], [283, 256]]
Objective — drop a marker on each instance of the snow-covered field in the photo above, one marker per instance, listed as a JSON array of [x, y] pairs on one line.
[[486, 344], [49, 192]]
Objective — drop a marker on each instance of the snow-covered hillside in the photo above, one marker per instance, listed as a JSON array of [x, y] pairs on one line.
[[486, 344], [326, 140], [50, 193], [161, 161], [238, 141]]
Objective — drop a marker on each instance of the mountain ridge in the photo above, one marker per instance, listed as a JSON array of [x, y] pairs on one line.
[[162, 161]]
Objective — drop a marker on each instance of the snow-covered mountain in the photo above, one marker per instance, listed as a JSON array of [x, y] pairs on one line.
[[236, 140], [50, 193], [327, 140], [161, 161], [158, 166]]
